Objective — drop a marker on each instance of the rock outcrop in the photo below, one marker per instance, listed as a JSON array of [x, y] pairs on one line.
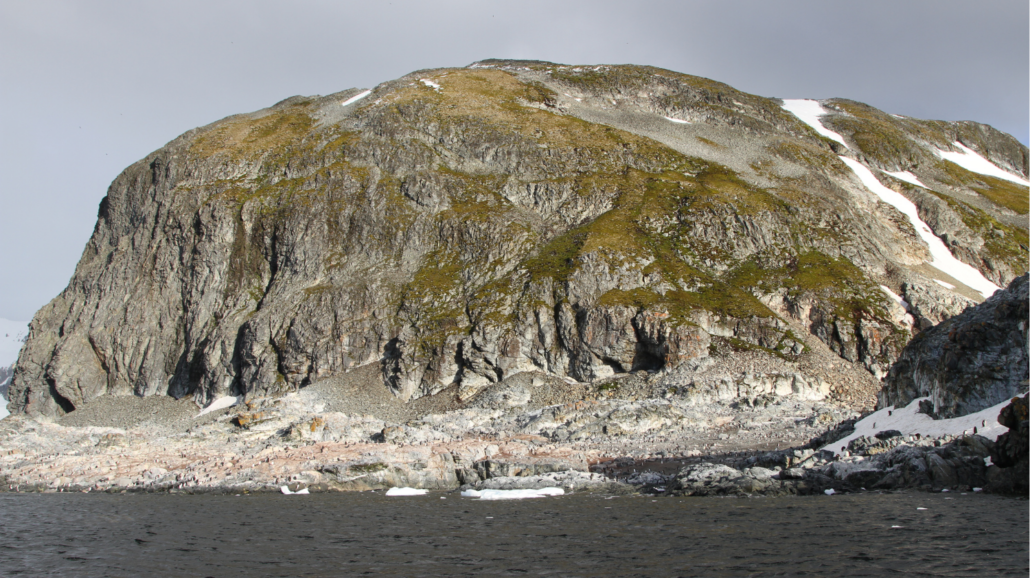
[[1011, 452], [455, 227], [969, 362]]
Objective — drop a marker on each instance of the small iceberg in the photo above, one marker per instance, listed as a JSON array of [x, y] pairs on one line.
[[406, 492], [512, 494], [286, 490]]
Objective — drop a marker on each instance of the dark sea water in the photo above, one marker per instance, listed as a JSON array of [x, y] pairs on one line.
[[577, 535]]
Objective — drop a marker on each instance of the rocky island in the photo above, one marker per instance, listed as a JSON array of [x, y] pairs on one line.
[[523, 274]]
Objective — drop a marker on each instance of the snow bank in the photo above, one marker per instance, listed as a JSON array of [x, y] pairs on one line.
[[907, 177], [220, 403], [356, 98], [909, 421], [676, 120], [971, 161], [942, 257], [512, 494], [895, 296], [406, 492], [809, 112]]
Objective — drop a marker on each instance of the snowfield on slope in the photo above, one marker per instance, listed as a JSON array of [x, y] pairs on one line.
[[971, 161], [909, 421], [356, 98], [809, 112], [942, 257], [907, 177]]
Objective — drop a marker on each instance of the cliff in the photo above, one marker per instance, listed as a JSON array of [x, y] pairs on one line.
[[455, 227]]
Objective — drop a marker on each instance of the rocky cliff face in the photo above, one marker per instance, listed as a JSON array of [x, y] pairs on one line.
[[458, 226], [970, 362]]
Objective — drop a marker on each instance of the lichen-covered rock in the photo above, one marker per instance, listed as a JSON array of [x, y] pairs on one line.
[[523, 217]]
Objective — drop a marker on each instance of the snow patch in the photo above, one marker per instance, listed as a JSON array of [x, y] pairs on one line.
[[356, 98], [909, 421], [907, 177], [895, 297], [512, 494], [676, 120], [406, 492], [971, 161], [943, 284], [220, 403], [942, 257], [430, 84], [809, 112]]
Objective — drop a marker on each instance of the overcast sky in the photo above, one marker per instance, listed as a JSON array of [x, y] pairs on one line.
[[87, 88]]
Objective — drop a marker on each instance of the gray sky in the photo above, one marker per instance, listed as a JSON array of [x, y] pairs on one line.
[[87, 88]]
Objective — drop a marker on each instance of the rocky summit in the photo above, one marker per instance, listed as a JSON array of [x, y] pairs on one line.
[[522, 274]]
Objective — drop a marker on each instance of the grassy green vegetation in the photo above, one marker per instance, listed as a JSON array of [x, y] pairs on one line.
[[877, 135], [247, 137], [809, 155], [836, 281], [710, 142], [1000, 192]]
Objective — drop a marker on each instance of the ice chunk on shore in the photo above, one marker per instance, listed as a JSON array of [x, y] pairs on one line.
[[356, 98], [286, 490], [971, 161], [512, 494], [809, 112], [909, 421], [220, 403], [677, 120], [942, 257], [406, 492]]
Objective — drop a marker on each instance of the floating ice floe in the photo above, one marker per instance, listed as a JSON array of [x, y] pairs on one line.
[[406, 492], [907, 177], [809, 112], [356, 98], [220, 403], [677, 120], [942, 257], [909, 421], [512, 494], [286, 490], [430, 84], [971, 161]]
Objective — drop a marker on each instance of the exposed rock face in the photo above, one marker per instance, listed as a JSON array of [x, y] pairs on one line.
[[503, 218], [971, 361], [1012, 450]]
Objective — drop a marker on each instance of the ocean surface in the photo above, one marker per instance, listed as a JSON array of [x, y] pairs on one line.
[[443, 534]]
